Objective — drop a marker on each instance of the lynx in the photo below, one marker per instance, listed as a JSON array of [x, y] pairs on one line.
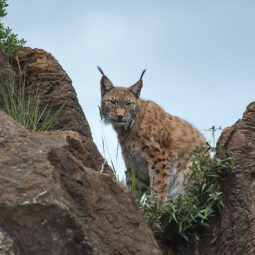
[[155, 144]]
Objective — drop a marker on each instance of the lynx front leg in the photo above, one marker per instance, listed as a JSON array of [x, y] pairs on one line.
[[159, 179], [166, 176], [160, 173]]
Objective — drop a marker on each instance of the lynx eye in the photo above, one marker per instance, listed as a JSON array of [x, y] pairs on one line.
[[129, 104], [113, 102]]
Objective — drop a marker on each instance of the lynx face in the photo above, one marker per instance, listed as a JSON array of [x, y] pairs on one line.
[[119, 106]]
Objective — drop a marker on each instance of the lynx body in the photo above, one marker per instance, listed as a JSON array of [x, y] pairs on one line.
[[154, 143]]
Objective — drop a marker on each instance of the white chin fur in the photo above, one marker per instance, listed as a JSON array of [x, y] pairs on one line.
[[115, 123], [127, 124]]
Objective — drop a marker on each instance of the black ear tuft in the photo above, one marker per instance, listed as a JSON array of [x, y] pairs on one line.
[[142, 74], [100, 70]]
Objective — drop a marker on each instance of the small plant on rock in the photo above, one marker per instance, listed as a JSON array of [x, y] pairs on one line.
[[178, 221]]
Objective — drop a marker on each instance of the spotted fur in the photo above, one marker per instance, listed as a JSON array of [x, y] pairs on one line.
[[154, 143]]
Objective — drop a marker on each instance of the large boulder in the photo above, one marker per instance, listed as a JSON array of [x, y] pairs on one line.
[[51, 203], [236, 232], [36, 68]]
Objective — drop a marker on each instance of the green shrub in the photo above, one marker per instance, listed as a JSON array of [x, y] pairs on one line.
[[178, 221], [9, 41]]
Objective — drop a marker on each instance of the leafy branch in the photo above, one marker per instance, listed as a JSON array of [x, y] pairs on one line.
[[181, 220], [9, 41]]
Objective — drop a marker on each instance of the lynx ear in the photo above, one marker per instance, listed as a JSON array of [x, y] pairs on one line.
[[106, 84], [136, 88]]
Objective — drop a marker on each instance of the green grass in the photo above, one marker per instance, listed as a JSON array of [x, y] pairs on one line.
[[27, 110]]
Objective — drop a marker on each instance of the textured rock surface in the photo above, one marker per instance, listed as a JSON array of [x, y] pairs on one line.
[[38, 68], [4, 70], [7, 246], [236, 233], [5, 73], [50, 203]]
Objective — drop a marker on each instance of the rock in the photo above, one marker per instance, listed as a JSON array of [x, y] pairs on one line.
[[236, 232], [5, 68], [50, 203], [5, 73], [7, 245], [35, 67]]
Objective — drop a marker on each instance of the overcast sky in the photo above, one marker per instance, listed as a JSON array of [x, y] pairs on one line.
[[199, 55]]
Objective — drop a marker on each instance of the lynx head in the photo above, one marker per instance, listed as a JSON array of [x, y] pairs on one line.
[[119, 106]]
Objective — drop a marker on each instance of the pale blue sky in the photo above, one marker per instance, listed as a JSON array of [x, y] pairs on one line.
[[199, 55]]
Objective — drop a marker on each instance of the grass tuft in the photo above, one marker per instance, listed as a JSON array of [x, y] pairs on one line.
[[27, 110]]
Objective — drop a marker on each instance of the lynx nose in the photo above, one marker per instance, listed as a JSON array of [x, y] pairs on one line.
[[120, 113]]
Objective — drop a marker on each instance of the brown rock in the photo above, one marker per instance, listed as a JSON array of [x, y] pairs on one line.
[[6, 73], [7, 246], [5, 68], [236, 233], [50, 203], [35, 68]]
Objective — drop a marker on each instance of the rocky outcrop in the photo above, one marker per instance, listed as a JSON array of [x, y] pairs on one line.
[[50, 203], [58, 196], [236, 232], [38, 68]]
